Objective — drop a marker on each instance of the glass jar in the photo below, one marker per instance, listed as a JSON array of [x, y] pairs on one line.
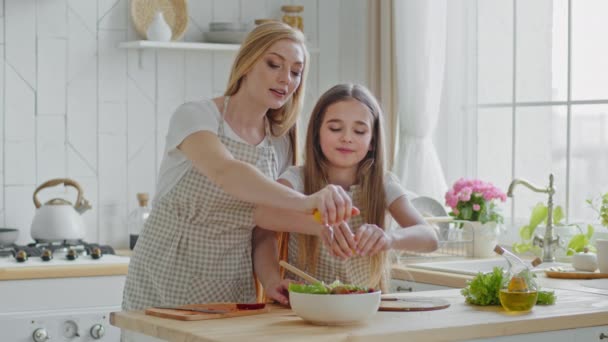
[[519, 289], [263, 21], [292, 17], [138, 218]]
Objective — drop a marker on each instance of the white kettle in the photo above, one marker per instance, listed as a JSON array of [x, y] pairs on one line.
[[57, 220]]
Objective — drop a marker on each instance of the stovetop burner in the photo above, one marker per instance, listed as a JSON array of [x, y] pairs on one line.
[[61, 248]]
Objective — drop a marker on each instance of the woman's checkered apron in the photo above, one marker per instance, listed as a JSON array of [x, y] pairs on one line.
[[196, 244], [355, 270]]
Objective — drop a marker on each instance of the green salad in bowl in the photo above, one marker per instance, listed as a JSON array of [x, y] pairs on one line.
[[333, 304], [334, 288]]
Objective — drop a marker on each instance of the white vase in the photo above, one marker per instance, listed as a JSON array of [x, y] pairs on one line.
[[158, 29], [484, 238]]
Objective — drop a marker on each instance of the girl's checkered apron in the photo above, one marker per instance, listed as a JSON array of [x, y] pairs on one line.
[[355, 270], [196, 244]]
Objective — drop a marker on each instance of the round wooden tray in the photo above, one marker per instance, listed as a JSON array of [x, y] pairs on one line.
[[175, 13], [576, 275]]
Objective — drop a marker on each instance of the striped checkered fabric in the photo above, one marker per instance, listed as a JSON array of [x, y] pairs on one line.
[[355, 270], [196, 244]]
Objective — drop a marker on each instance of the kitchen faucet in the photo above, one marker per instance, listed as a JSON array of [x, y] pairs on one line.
[[547, 242]]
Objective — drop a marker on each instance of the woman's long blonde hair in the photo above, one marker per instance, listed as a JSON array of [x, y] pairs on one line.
[[370, 174], [282, 120]]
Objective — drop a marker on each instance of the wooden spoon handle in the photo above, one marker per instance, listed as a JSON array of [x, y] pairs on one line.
[[299, 272]]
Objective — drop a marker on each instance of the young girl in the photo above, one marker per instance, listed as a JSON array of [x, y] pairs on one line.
[[345, 147]]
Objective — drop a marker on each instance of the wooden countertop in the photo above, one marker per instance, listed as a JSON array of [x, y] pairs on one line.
[[460, 321], [404, 272], [34, 268]]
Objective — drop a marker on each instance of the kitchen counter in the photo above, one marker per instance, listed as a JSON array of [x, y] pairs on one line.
[[460, 321], [34, 268], [403, 272]]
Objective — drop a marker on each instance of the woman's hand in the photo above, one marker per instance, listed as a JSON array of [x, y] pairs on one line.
[[343, 243], [279, 291], [372, 239], [332, 202]]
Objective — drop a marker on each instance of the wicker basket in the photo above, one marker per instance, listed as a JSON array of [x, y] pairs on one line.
[[175, 13]]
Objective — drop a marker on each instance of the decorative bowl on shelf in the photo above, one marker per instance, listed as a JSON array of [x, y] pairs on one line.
[[218, 26], [225, 37]]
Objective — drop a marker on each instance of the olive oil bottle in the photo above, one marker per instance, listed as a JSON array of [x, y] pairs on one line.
[[519, 290], [517, 300]]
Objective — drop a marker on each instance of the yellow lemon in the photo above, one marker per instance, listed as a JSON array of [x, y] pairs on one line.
[[317, 214]]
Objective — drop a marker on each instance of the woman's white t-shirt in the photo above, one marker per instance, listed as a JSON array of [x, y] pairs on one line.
[[197, 116]]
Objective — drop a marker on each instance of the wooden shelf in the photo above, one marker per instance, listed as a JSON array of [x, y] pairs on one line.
[[140, 45], [146, 44]]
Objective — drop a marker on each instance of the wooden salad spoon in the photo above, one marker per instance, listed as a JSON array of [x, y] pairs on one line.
[[302, 274]]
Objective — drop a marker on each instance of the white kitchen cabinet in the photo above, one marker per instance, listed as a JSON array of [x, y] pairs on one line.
[[398, 285], [591, 334]]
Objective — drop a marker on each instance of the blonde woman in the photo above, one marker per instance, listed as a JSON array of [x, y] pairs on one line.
[[345, 147], [222, 157]]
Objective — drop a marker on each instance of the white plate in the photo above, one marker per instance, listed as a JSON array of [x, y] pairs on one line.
[[428, 206], [226, 37]]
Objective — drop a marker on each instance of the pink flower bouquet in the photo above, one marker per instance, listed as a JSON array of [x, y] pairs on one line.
[[475, 200]]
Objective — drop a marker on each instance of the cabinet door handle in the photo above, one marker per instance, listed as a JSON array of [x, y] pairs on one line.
[[410, 289], [603, 336]]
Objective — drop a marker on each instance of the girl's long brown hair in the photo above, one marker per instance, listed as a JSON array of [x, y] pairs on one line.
[[370, 175], [282, 120]]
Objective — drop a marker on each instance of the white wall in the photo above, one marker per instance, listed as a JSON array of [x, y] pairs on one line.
[[74, 105]]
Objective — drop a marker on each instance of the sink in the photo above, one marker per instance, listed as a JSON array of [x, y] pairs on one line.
[[474, 266]]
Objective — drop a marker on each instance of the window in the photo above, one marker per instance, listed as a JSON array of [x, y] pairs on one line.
[[542, 100]]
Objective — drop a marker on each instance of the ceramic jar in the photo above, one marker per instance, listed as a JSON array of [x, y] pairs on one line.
[[585, 261], [159, 30]]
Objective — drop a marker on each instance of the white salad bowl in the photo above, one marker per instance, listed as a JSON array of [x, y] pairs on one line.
[[335, 309]]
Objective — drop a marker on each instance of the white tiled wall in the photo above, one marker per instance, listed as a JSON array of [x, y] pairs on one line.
[[74, 105]]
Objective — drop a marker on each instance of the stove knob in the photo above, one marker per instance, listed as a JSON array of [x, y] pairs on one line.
[[47, 255], [96, 253], [71, 255], [40, 335], [21, 256], [97, 331]]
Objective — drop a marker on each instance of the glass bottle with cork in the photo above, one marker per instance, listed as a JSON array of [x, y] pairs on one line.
[[292, 17], [138, 218], [519, 290]]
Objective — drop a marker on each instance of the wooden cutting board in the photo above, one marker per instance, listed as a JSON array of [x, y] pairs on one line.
[[412, 304], [575, 275], [182, 315]]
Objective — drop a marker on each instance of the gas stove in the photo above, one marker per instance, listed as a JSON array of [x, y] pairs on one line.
[[68, 296], [53, 251]]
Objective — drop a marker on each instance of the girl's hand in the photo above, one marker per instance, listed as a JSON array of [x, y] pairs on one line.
[[327, 235], [343, 244], [332, 202], [372, 239], [278, 291]]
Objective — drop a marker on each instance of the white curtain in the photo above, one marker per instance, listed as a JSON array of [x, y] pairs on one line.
[[420, 49]]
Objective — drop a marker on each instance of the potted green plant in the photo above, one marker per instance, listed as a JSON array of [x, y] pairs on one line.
[[577, 243]]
